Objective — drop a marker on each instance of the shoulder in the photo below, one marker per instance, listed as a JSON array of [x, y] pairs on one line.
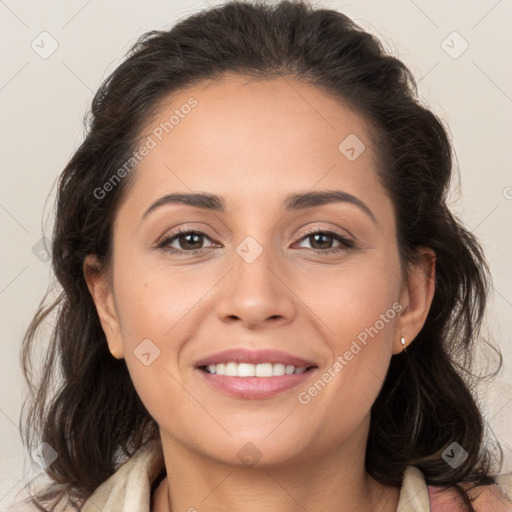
[[487, 498]]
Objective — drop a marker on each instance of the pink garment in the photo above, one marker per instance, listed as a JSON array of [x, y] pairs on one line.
[[490, 498]]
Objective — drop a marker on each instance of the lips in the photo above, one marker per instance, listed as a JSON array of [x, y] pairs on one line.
[[251, 374]]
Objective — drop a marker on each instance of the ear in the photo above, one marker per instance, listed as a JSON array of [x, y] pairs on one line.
[[102, 294], [416, 298]]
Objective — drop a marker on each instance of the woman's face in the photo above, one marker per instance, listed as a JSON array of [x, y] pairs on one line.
[[253, 278]]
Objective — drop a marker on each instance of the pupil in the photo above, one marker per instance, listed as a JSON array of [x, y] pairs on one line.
[[316, 236], [192, 235]]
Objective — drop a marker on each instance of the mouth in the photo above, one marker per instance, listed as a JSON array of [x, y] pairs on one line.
[[254, 374]]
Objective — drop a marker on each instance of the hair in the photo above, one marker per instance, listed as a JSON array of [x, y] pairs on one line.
[[84, 404]]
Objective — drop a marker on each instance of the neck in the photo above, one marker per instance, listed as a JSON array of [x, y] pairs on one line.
[[196, 483]]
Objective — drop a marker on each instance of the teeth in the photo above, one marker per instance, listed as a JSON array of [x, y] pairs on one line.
[[245, 370], [289, 369], [278, 369], [263, 370], [232, 369]]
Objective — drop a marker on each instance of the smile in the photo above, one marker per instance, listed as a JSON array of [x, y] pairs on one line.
[[254, 374]]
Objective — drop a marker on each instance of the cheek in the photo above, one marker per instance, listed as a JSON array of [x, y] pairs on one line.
[[154, 301], [158, 310], [354, 301], [358, 312]]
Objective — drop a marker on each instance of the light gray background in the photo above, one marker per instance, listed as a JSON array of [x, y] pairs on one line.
[[43, 100]]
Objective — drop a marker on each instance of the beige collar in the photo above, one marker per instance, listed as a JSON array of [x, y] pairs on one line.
[[129, 488]]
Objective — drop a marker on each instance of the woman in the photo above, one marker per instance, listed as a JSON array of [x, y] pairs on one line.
[[266, 301]]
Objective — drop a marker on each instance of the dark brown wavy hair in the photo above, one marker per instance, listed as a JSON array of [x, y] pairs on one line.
[[83, 403]]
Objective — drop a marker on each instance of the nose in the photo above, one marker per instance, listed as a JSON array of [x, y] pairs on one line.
[[257, 293]]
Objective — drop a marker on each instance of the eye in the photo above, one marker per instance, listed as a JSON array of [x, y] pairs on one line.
[[323, 240], [187, 240], [191, 241]]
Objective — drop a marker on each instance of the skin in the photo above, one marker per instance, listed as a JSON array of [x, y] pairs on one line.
[[253, 143]]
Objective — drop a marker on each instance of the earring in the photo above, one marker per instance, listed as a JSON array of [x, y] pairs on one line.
[[403, 342]]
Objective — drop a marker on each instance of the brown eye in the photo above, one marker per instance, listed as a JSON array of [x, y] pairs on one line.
[[190, 241], [322, 241], [184, 241]]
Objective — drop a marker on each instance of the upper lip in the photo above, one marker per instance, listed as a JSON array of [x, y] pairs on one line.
[[243, 355]]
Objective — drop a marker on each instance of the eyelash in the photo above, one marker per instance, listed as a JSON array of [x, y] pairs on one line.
[[346, 243]]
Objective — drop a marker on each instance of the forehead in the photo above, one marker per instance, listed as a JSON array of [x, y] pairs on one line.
[[246, 139]]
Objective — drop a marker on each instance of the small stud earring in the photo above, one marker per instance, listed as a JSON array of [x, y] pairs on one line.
[[403, 342]]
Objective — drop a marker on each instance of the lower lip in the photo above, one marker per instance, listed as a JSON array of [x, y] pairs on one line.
[[255, 387]]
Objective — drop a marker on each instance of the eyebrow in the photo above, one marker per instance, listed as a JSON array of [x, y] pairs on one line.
[[293, 202]]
